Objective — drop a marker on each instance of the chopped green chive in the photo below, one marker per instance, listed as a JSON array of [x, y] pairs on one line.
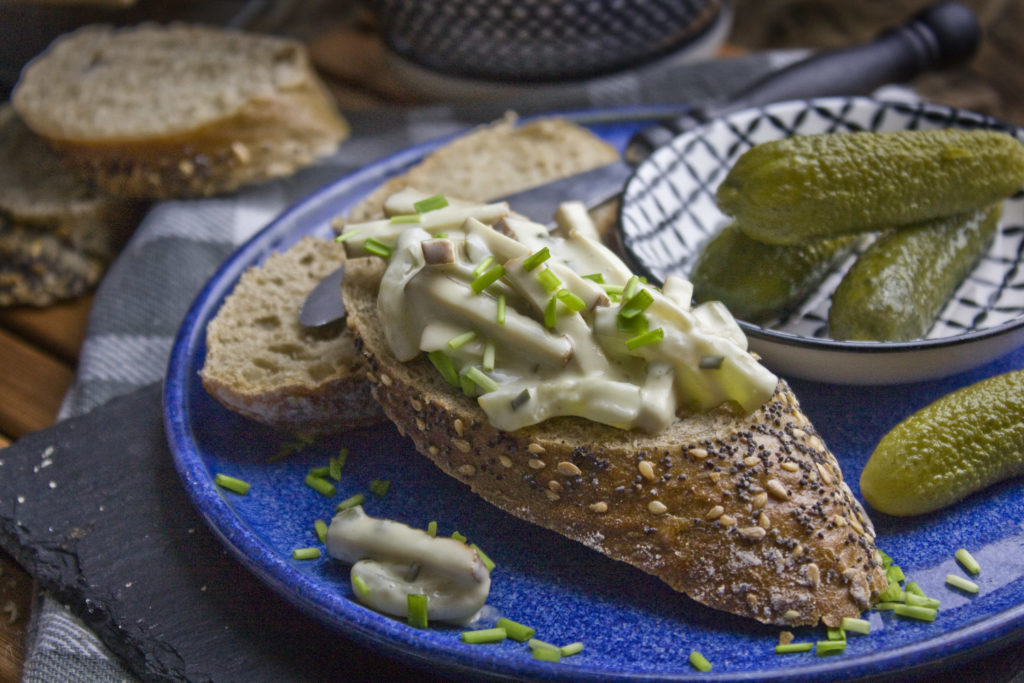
[[538, 644], [320, 471], [632, 284], [360, 585], [571, 649], [321, 486], [892, 594], [501, 309], [458, 537], [536, 258], [460, 340], [468, 387], [520, 399], [649, 337], [912, 587], [483, 265], [886, 560], [830, 647], [488, 562], [375, 246], [516, 631], [547, 655], [487, 363], [571, 301], [835, 633], [379, 487], [968, 561], [444, 365], [861, 626], [320, 527], [614, 291], [699, 662], [920, 613], [894, 573], [484, 635], [345, 236], [789, 648], [548, 280], [438, 201], [432, 528], [305, 553], [596, 277], [637, 304], [632, 326], [232, 484], [486, 279], [335, 464], [960, 582], [404, 218], [885, 606], [417, 606], [551, 313], [350, 502], [440, 235], [916, 600], [477, 377]]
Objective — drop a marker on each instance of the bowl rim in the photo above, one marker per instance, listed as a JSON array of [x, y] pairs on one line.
[[818, 343]]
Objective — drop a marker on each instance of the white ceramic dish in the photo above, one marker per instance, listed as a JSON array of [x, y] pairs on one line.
[[669, 212]]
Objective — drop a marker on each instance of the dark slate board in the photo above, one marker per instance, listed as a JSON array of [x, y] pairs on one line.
[[107, 528]]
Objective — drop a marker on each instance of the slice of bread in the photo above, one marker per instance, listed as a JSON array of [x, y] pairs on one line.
[[745, 514], [265, 373], [57, 234], [263, 363], [496, 160], [155, 111]]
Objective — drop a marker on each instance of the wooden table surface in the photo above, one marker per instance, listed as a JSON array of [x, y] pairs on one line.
[[39, 347]]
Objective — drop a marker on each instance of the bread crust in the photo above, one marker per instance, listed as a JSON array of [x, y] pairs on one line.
[[748, 514]]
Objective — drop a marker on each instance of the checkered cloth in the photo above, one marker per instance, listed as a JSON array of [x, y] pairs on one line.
[[180, 244]]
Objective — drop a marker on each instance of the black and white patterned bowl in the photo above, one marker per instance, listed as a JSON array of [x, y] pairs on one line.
[[534, 41], [668, 213]]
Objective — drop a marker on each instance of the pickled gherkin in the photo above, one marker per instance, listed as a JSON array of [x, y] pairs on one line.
[[897, 287], [759, 282], [962, 443], [790, 190]]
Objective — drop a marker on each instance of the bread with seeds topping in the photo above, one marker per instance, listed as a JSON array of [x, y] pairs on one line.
[[749, 514]]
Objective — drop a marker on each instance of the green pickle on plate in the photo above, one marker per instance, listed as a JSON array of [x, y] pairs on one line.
[[760, 282], [962, 443], [790, 190], [897, 287]]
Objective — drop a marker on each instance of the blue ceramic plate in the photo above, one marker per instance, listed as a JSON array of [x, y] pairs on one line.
[[669, 213], [632, 625]]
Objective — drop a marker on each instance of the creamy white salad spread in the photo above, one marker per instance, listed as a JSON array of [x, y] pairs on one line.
[[538, 324], [391, 561]]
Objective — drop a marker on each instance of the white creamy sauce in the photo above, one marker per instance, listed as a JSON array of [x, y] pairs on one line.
[[571, 340], [391, 560]]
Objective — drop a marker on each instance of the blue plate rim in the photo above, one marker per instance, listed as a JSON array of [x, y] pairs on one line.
[[391, 637]]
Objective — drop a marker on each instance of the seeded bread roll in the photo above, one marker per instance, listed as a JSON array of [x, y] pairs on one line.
[[263, 363], [156, 111], [745, 514]]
